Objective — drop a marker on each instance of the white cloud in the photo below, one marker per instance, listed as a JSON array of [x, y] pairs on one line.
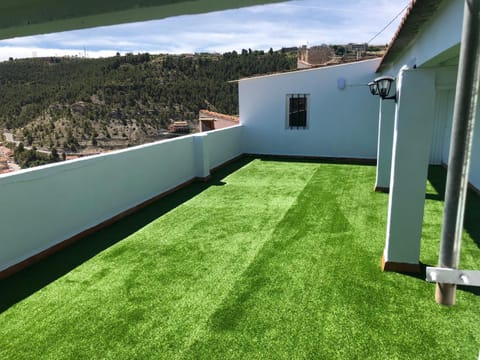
[[291, 23], [28, 52]]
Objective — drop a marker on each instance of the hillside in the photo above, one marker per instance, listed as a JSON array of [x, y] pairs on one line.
[[78, 104]]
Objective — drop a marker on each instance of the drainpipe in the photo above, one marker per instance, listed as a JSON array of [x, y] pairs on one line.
[[460, 148]]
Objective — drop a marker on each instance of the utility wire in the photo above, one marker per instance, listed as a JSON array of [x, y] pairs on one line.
[[390, 23]]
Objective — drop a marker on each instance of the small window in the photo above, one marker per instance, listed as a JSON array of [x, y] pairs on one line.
[[297, 110]]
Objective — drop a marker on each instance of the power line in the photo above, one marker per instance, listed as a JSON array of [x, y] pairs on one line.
[[390, 23]]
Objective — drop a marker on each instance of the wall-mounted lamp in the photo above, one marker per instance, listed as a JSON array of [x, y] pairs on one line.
[[381, 86], [373, 87]]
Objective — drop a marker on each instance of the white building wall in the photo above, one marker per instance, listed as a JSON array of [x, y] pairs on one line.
[[445, 83], [442, 117], [386, 122], [445, 103], [445, 100], [342, 122], [444, 120], [448, 114]]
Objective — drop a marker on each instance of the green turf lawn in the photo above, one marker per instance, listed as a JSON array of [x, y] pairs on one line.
[[277, 260]]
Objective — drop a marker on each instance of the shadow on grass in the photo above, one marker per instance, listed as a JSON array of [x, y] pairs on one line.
[[437, 176], [31, 279], [318, 160], [422, 275]]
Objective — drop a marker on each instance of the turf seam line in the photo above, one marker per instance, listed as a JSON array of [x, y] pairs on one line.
[[203, 328]]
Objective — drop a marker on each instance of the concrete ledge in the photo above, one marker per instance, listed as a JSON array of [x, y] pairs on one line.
[[400, 267]]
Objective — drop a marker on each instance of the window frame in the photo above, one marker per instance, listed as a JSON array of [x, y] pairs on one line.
[[290, 111]]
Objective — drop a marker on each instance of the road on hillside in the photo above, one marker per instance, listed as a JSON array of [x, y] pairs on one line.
[[10, 139]]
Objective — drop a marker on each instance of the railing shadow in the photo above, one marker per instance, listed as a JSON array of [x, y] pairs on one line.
[[31, 279]]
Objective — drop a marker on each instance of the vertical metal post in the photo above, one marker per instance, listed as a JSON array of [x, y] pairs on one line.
[[460, 147]]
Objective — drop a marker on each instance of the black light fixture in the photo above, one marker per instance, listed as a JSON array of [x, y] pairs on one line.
[[373, 87], [381, 86]]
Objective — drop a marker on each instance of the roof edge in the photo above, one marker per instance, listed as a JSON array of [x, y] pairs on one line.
[[313, 68], [417, 15]]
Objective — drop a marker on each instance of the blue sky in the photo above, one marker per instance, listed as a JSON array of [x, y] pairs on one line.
[[290, 23]]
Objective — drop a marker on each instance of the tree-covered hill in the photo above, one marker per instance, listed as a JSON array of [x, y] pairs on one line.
[[74, 103]]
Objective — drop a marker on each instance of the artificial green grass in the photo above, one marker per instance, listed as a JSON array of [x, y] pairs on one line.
[[280, 259]]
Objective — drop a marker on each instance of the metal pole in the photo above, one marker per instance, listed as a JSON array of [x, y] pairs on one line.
[[460, 148]]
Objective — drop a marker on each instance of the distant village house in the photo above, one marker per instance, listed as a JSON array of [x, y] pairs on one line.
[[323, 55], [180, 127], [315, 55], [209, 120]]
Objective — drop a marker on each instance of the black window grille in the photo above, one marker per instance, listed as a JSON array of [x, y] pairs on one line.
[[297, 111]]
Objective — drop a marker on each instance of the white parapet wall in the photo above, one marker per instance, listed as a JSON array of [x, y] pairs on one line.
[[224, 144], [342, 114], [44, 206]]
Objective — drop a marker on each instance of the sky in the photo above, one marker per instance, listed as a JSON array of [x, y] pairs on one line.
[[286, 24]]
